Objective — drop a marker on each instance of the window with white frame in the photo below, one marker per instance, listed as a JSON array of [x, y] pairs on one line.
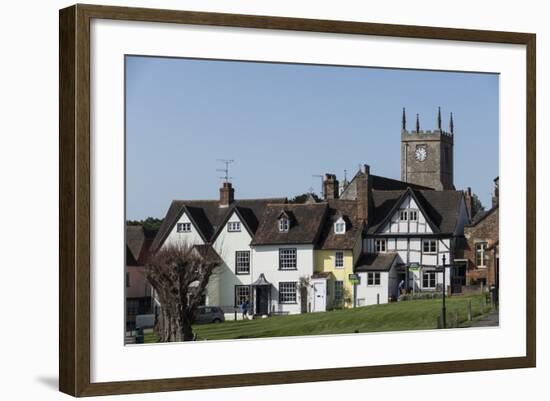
[[481, 250], [339, 259], [338, 291], [234, 226], [429, 246], [373, 278], [242, 294], [242, 262], [287, 259], [183, 227], [428, 279], [403, 215], [287, 292], [413, 215], [283, 224], [380, 245], [340, 226]]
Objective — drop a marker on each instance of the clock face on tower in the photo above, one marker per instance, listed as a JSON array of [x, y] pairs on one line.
[[420, 154]]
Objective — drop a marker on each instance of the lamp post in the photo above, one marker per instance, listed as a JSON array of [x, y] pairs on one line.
[[444, 309]]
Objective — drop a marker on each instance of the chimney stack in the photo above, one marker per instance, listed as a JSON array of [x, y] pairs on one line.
[[364, 194], [494, 198], [468, 201], [227, 194], [330, 187]]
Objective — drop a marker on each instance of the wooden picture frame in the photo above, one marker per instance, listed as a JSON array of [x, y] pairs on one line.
[[74, 204]]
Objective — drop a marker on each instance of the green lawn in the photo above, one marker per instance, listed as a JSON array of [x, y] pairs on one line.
[[406, 315], [149, 336]]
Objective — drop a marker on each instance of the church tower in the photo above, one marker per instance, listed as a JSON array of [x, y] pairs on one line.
[[427, 156]]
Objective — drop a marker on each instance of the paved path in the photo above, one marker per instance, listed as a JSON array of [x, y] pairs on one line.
[[490, 319]]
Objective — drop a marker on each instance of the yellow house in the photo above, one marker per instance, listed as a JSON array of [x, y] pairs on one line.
[[339, 248]]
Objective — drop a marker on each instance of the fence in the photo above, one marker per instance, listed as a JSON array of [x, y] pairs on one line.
[[462, 317]]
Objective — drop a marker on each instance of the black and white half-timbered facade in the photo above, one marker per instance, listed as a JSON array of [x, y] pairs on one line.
[[419, 227]]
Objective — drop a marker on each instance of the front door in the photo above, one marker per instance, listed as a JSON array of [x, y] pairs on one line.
[[319, 297], [458, 277], [262, 297]]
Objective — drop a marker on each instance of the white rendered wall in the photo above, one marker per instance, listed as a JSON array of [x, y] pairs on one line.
[[191, 238], [266, 261], [226, 244], [368, 294]]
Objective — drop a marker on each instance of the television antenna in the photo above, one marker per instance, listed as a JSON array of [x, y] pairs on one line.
[[225, 170], [321, 177]]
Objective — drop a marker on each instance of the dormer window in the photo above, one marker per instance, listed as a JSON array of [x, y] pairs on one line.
[[340, 226], [284, 224]]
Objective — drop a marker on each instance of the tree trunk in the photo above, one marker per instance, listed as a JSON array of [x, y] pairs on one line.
[[187, 330]]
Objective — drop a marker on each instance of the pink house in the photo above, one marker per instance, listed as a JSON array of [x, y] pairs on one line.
[[139, 299]]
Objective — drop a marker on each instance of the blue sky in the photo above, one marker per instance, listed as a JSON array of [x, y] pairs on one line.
[[283, 123]]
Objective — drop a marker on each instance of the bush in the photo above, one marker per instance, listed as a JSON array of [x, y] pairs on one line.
[[419, 295]]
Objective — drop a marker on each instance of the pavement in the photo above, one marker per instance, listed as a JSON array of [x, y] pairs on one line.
[[491, 319]]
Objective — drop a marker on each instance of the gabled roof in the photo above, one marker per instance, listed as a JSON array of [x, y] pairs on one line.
[[138, 242], [347, 210], [440, 208], [398, 202], [378, 183], [208, 253], [208, 217], [305, 229], [482, 215], [377, 261]]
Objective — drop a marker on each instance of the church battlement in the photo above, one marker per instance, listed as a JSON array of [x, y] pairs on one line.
[[427, 132], [436, 134]]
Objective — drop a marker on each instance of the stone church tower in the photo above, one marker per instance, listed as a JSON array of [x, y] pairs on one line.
[[427, 156]]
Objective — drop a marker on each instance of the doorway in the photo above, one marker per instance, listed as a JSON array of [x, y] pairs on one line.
[[319, 296], [262, 300]]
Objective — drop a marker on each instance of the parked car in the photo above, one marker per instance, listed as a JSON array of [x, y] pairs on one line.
[[209, 314]]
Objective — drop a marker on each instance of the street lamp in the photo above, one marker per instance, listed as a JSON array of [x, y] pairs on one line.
[[444, 309]]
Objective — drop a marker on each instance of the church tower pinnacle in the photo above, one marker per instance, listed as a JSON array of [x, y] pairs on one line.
[[427, 156]]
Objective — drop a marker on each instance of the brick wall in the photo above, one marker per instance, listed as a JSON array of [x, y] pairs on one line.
[[486, 230]]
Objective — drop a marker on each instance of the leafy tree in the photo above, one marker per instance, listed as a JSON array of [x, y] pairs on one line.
[[477, 206], [179, 273], [149, 224]]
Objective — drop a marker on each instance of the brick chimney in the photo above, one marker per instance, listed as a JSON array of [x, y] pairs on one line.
[[330, 187], [469, 201], [494, 198], [364, 194], [227, 194]]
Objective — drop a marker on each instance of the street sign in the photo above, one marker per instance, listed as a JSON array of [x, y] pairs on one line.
[[354, 278], [414, 267]]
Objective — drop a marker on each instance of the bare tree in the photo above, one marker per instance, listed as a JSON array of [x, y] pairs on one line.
[[179, 273]]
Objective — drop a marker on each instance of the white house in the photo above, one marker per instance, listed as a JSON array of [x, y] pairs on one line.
[[283, 253], [228, 226], [377, 277]]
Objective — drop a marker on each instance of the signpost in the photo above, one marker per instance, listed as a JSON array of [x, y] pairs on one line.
[[443, 307]]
